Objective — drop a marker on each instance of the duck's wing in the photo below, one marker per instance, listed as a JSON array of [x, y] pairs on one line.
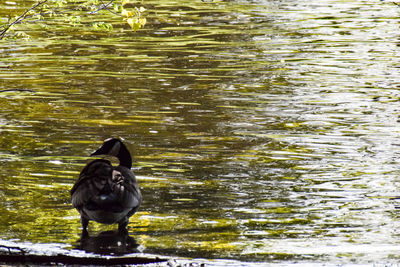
[[91, 182], [126, 188]]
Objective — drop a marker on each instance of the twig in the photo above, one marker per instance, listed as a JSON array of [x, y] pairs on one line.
[[8, 26], [104, 6]]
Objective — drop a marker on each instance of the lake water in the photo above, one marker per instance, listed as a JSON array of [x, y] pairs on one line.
[[261, 131]]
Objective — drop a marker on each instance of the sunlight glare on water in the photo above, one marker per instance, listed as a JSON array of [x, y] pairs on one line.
[[261, 131]]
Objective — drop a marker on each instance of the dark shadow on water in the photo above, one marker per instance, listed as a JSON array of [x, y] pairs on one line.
[[109, 243]]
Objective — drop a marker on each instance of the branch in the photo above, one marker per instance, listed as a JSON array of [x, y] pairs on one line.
[[8, 26], [104, 6]]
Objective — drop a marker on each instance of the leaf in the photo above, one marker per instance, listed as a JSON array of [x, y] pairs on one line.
[[127, 14], [142, 21], [133, 23], [102, 26]]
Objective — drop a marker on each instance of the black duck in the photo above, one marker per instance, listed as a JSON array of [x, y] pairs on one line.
[[104, 193]]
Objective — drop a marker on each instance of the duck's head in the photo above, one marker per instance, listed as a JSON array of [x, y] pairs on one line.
[[115, 147], [110, 146]]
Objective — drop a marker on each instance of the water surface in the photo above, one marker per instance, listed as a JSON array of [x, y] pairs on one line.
[[262, 131]]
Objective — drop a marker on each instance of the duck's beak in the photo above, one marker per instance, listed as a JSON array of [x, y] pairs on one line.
[[100, 151]]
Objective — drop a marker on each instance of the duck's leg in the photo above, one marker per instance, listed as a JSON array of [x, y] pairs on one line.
[[123, 224], [84, 223]]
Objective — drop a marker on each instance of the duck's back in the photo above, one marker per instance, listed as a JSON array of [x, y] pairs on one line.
[[104, 193]]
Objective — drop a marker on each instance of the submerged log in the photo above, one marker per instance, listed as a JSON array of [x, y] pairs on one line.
[[25, 253], [66, 259]]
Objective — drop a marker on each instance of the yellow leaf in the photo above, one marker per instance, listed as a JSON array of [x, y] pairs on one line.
[[142, 9], [136, 26], [133, 22], [142, 21], [130, 22], [127, 14]]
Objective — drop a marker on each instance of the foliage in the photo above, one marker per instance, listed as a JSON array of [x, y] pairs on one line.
[[72, 11], [134, 18]]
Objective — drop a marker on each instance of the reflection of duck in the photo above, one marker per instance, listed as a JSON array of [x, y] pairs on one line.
[[109, 243], [104, 193]]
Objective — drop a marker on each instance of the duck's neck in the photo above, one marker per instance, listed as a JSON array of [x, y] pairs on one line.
[[124, 157]]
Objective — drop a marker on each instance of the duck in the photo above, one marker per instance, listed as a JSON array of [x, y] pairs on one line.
[[105, 193]]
